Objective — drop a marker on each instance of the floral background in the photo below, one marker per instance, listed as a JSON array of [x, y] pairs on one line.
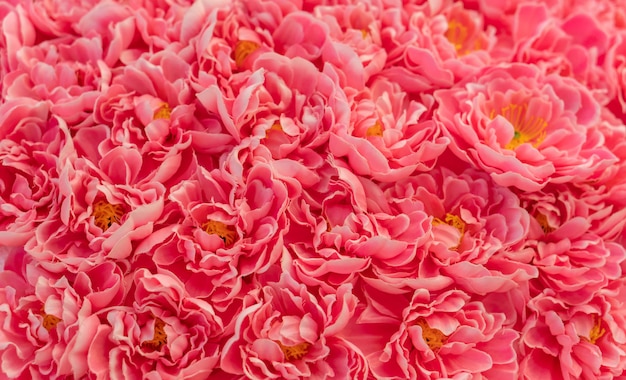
[[323, 189]]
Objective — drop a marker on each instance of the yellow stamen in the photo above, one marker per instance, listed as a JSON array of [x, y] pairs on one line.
[[597, 331], [296, 352], [456, 34], [276, 127], [243, 49], [528, 128], [543, 222], [434, 338], [227, 233], [50, 321], [375, 130], [163, 112], [159, 338], [364, 33], [105, 214], [454, 221]]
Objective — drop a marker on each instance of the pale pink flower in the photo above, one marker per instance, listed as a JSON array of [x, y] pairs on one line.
[[446, 336], [571, 342], [291, 333], [524, 128], [389, 135]]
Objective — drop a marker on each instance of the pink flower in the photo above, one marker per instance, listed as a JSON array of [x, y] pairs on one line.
[[575, 46], [38, 321], [467, 231], [579, 342], [389, 136], [224, 230], [291, 333], [575, 270], [524, 128], [29, 145], [166, 333], [355, 49], [68, 72], [446, 336], [433, 49], [93, 219]]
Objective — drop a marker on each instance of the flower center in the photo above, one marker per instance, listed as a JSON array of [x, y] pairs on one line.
[[454, 221], [227, 233], [543, 222], [163, 112], [276, 127], [296, 352], [528, 128], [597, 331], [159, 338], [105, 214], [456, 34], [434, 338], [243, 49], [375, 130], [50, 321]]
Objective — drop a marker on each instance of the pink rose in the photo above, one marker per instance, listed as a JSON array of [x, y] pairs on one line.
[[524, 128], [291, 333]]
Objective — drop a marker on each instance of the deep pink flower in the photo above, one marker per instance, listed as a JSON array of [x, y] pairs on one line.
[[434, 47], [445, 336], [227, 228], [30, 142], [524, 128], [565, 342], [291, 333], [93, 219], [39, 317], [574, 46], [165, 334]]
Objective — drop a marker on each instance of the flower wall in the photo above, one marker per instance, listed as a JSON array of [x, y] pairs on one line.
[[290, 189]]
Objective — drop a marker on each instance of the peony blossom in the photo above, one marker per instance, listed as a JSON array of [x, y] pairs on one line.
[[524, 128]]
